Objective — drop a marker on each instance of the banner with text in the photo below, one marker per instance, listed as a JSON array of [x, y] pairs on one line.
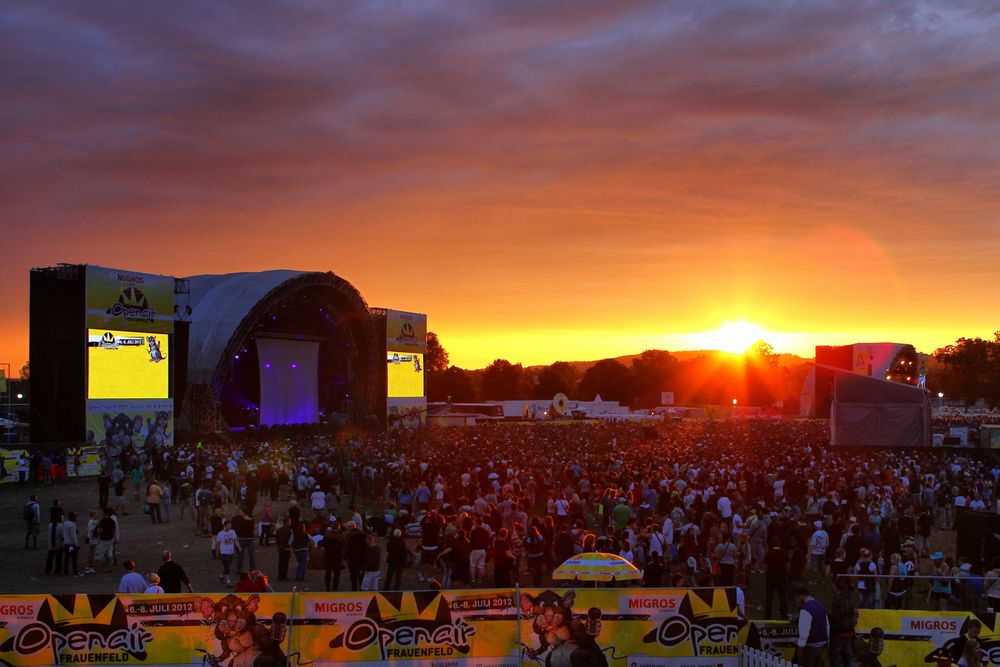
[[129, 300], [467, 628], [475, 628], [104, 629], [15, 465], [405, 332], [632, 627], [912, 636]]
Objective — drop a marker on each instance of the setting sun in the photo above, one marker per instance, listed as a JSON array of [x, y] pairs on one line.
[[735, 337]]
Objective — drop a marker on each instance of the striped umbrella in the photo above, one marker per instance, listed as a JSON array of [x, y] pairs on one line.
[[597, 567]]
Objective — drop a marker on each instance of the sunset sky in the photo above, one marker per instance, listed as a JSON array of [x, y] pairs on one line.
[[546, 180]]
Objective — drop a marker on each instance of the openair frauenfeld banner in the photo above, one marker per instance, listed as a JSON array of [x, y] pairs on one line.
[[910, 637], [483, 628], [129, 300]]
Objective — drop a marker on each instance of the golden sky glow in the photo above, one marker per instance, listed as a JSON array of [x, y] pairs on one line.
[[551, 182]]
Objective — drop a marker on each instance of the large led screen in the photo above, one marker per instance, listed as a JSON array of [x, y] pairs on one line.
[[405, 374], [126, 364]]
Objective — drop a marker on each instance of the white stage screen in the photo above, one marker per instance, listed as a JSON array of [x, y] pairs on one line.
[[288, 381]]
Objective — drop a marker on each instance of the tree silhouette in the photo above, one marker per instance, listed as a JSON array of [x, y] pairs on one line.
[[610, 378], [560, 377], [456, 384], [653, 372], [969, 370], [503, 380], [436, 358]]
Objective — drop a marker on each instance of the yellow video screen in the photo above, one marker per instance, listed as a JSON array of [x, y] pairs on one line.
[[406, 374], [126, 364]]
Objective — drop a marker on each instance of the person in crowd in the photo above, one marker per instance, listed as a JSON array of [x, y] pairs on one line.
[[245, 584], [131, 581], [333, 556], [355, 552], [265, 524], [227, 544], [283, 538], [843, 619], [776, 569], [971, 654], [92, 539], [535, 545], [300, 544], [32, 521], [153, 584], [940, 591], [396, 558], [154, 496], [71, 544], [866, 585], [107, 534], [54, 535], [503, 560], [372, 565], [172, 575], [244, 528], [814, 630]]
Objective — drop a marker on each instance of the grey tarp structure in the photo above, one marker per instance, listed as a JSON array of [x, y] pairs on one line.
[[219, 304], [871, 412]]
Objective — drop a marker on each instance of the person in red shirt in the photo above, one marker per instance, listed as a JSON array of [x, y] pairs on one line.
[[245, 584]]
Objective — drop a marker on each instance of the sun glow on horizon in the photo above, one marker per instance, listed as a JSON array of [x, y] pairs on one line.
[[735, 337]]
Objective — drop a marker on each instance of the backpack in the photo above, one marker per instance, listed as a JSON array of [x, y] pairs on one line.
[[29, 512]]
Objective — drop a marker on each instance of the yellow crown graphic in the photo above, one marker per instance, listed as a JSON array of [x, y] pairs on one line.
[[70, 610], [710, 603], [410, 607]]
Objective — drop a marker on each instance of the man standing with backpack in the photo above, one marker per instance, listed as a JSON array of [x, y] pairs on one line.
[[32, 519]]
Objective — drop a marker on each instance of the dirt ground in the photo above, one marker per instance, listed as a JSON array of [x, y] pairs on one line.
[[143, 542]]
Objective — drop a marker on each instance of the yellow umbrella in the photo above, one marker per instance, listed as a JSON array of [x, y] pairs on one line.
[[597, 567]]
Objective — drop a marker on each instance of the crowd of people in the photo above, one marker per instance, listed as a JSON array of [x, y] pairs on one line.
[[688, 503]]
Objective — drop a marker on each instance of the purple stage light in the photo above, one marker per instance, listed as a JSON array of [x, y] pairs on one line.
[[237, 356], [295, 365], [267, 365]]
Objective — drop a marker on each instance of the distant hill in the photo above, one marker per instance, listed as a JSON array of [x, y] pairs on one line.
[[682, 355]]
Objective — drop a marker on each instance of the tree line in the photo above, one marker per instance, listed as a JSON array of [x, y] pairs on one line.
[[967, 371], [756, 378]]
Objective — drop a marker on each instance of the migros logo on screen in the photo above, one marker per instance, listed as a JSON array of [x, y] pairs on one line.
[[129, 278]]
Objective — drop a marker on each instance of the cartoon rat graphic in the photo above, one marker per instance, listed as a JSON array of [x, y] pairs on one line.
[[569, 641], [245, 642], [155, 355]]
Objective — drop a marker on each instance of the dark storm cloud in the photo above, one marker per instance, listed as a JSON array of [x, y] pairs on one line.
[[150, 104]]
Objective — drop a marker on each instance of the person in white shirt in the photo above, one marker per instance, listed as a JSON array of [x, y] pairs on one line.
[[668, 537], [71, 544], [131, 581], [658, 543], [228, 544], [318, 502], [818, 544], [91, 538], [562, 506], [725, 507]]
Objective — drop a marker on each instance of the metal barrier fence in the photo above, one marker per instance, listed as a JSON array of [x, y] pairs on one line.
[[752, 657]]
